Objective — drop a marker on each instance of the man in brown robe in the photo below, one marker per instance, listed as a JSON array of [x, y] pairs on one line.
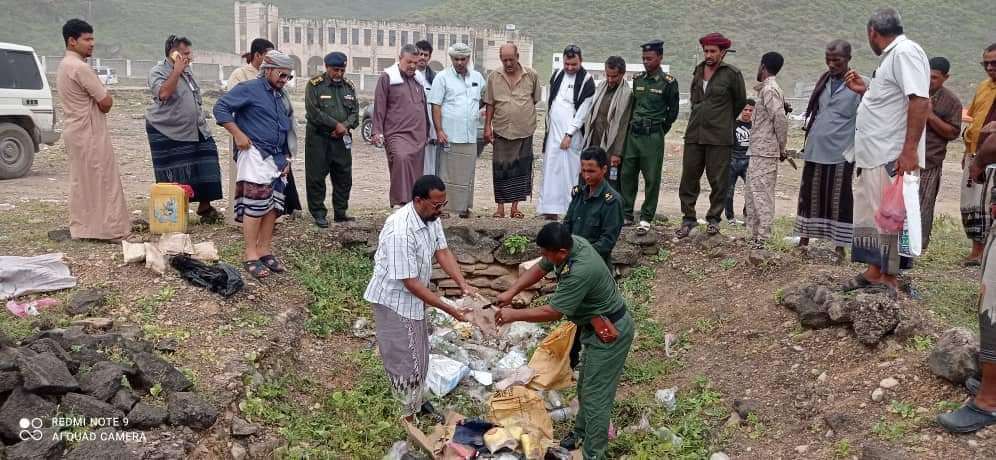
[[96, 200], [401, 124]]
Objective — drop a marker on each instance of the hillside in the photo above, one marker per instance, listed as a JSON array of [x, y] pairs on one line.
[[799, 30], [138, 27]]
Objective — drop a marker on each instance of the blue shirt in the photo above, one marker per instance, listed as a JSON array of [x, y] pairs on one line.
[[460, 100], [832, 132], [257, 108]]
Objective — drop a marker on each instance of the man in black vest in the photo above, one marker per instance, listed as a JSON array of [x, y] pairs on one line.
[[571, 91]]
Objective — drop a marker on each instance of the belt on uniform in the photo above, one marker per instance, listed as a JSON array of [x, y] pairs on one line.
[[616, 315], [645, 127]]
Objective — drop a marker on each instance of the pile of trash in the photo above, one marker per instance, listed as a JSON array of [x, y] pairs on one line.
[[490, 365], [190, 261]]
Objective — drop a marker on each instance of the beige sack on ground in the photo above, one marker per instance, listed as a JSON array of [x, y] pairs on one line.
[[206, 252], [133, 252], [552, 359], [176, 243], [525, 407], [154, 259]]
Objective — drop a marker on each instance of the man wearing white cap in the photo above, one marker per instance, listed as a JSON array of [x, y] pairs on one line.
[[456, 102]]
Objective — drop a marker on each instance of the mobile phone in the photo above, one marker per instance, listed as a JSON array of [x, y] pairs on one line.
[[175, 56]]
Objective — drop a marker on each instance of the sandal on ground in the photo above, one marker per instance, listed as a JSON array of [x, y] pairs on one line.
[[971, 263], [968, 419], [517, 215], [256, 268], [712, 229], [858, 282], [498, 215], [684, 231], [211, 216], [464, 215], [273, 264]]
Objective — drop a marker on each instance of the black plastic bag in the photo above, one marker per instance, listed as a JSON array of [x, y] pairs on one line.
[[220, 278]]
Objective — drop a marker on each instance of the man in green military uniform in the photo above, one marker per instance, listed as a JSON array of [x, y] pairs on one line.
[[654, 107], [595, 212], [585, 292], [330, 102], [718, 96]]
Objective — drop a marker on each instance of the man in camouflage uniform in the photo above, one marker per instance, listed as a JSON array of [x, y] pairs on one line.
[[654, 108], [767, 147], [332, 111]]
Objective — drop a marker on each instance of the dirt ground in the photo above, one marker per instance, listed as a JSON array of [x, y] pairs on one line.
[[739, 339], [48, 179]]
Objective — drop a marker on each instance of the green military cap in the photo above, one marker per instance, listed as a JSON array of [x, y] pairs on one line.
[[653, 45]]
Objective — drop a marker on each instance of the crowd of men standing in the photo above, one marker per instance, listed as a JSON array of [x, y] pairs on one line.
[[599, 140]]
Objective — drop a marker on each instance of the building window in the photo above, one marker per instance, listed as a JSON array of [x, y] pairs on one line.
[[356, 36], [452, 38], [392, 38], [491, 43], [479, 45], [380, 37], [441, 44], [286, 34], [297, 35], [311, 36], [344, 36], [366, 37], [465, 39], [416, 36], [428, 38], [331, 34], [404, 37]]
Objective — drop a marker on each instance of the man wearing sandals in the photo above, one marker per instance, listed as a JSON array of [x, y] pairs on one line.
[[255, 115], [889, 141], [398, 290], [980, 411], [717, 96], [769, 133]]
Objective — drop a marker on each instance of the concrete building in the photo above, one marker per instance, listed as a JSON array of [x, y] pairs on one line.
[[370, 45]]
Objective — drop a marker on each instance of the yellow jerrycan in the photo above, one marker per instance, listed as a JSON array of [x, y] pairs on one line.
[[168, 205]]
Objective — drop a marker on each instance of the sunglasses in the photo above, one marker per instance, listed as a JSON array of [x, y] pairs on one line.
[[986, 64], [423, 53], [285, 76]]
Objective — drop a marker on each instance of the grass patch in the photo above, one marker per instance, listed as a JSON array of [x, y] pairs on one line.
[[781, 228], [948, 246], [149, 305], [955, 300], [697, 416], [356, 423], [920, 343], [842, 449], [337, 279]]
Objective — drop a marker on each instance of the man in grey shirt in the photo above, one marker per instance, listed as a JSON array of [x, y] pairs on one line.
[[825, 200], [183, 150]]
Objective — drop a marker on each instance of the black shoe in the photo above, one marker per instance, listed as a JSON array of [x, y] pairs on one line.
[[343, 218], [570, 442], [322, 222]]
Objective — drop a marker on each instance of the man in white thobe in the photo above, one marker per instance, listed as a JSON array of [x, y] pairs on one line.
[[571, 91]]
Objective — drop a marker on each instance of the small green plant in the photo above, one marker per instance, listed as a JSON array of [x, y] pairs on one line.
[[903, 409], [663, 254], [779, 296], [921, 342], [728, 263], [890, 430], [757, 428], [515, 244], [156, 390], [842, 449], [150, 305], [947, 406]]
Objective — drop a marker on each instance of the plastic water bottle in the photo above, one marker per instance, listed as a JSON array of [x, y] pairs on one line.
[[348, 140], [561, 414], [614, 173], [667, 398]]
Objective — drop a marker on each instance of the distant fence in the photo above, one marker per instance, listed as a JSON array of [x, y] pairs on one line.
[[139, 68]]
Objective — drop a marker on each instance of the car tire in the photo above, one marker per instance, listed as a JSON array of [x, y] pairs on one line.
[[17, 151], [366, 129]]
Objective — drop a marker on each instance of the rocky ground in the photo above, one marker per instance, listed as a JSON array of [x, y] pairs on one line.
[[285, 376]]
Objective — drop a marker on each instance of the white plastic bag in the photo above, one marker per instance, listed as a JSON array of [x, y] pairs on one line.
[[911, 238], [444, 374]]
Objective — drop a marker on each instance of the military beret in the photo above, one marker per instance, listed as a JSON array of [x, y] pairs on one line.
[[653, 45], [335, 59]]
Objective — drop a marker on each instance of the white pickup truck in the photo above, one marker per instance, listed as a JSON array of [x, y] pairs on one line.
[[27, 112]]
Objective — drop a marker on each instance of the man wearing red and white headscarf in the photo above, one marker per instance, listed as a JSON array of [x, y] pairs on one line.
[[717, 96]]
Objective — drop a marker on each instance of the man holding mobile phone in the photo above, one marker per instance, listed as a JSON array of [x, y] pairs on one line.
[[183, 149]]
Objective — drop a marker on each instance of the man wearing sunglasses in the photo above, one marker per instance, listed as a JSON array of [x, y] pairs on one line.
[[398, 290], [975, 198]]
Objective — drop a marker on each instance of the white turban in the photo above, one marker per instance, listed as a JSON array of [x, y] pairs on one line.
[[276, 60], [459, 50]]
